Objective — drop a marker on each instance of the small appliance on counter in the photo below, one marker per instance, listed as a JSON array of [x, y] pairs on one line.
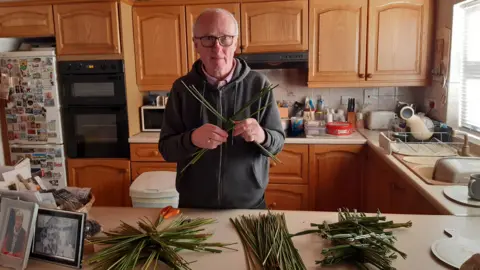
[[380, 120], [152, 117]]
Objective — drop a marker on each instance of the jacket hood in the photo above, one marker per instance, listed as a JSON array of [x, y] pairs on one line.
[[240, 72]]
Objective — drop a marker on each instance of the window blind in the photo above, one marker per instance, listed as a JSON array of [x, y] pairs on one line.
[[466, 62]]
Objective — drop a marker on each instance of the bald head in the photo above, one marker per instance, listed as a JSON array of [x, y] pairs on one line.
[[215, 18]]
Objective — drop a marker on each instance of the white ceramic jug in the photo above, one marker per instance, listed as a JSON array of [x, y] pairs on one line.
[[415, 123]]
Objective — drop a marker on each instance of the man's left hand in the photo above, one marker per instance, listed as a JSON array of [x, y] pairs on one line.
[[250, 130]]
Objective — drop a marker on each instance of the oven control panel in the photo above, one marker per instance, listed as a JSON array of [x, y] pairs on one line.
[[89, 67]]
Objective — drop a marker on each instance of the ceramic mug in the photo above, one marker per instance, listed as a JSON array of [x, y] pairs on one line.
[[474, 187]]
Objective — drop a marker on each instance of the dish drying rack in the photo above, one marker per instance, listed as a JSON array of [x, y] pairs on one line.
[[434, 147]]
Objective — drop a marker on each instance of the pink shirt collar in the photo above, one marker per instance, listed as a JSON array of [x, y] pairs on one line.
[[220, 83]]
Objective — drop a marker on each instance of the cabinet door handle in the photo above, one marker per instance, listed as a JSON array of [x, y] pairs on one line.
[[272, 205], [361, 75], [369, 75]]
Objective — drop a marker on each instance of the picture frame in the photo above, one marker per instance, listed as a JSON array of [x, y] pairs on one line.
[[59, 237], [17, 225]]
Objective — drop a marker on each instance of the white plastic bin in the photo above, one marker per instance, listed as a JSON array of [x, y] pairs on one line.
[[154, 190]]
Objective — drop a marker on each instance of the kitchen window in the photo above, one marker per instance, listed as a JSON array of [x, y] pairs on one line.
[[465, 63]]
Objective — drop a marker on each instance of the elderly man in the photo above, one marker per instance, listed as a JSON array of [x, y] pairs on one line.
[[16, 237], [234, 172]]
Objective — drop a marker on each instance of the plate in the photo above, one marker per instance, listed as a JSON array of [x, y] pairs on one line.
[[454, 250], [460, 194]]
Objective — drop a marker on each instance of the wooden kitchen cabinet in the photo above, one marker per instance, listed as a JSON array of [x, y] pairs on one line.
[[145, 157], [288, 181], [338, 41], [287, 197], [145, 152], [336, 173], [274, 26], [368, 43], [109, 179], [294, 166], [192, 12], [27, 21], [386, 190], [87, 28], [160, 46], [399, 41]]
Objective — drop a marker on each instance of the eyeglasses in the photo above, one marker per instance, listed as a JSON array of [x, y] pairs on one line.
[[209, 41]]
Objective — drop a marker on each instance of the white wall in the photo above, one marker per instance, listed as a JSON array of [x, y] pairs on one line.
[[292, 87]]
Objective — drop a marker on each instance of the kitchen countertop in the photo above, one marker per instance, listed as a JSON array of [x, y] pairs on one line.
[[415, 241], [355, 138], [364, 136], [432, 192]]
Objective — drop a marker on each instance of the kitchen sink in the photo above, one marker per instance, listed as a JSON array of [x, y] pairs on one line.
[[447, 171]]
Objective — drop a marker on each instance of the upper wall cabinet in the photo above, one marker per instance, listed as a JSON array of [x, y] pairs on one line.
[[338, 41], [88, 28], [398, 43], [192, 13], [26, 21], [160, 45], [274, 26]]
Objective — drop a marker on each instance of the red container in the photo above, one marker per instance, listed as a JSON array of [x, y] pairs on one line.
[[339, 128]]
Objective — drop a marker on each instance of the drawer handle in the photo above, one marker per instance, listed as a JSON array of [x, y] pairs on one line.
[[369, 75], [272, 205], [361, 75], [155, 153], [272, 164]]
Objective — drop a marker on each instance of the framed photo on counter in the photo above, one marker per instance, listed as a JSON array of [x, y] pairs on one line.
[[58, 237], [16, 232]]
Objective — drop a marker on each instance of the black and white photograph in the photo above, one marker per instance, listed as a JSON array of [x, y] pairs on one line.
[[16, 234], [59, 237]]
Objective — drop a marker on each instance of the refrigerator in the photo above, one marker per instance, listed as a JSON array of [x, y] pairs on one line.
[[34, 124]]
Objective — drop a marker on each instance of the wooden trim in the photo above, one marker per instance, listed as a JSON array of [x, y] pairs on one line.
[[158, 87], [134, 96], [3, 123], [313, 84], [16, 3], [195, 2], [13, 3], [90, 57]]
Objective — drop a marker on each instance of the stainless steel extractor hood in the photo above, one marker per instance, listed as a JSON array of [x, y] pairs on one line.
[[279, 60]]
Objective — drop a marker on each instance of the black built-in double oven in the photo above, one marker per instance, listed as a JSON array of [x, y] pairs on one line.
[[94, 108]]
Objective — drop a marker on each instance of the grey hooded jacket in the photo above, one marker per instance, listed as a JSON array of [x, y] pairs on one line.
[[235, 174]]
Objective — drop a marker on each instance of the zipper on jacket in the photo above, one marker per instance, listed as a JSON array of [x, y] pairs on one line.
[[221, 150]]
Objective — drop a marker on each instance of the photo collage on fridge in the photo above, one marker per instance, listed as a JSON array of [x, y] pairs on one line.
[[33, 113]]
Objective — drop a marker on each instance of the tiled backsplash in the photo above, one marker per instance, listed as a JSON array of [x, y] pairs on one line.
[[292, 87]]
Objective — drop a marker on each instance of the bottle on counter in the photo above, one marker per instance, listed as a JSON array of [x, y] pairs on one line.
[[329, 116], [360, 122]]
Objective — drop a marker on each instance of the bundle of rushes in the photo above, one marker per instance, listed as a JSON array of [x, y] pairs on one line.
[[150, 242], [230, 123], [267, 243], [359, 239]]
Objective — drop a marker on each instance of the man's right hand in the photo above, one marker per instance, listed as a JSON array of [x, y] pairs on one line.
[[209, 136]]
